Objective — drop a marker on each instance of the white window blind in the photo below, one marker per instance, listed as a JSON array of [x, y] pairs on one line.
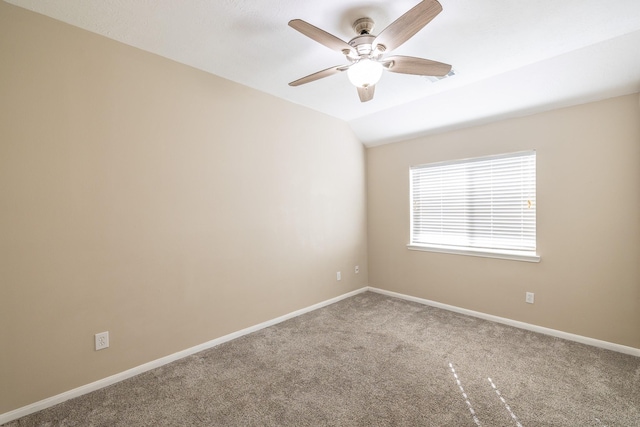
[[485, 203]]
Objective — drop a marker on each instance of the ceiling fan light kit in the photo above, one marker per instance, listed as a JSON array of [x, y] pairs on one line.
[[365, 73], [365, 51]]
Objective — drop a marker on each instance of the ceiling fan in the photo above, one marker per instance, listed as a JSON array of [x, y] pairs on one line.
[[365, 52]]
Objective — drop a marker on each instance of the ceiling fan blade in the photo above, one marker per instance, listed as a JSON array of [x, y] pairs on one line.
[[405, 27], [319, 75], [419, 66], [366, 93], [321, 36]]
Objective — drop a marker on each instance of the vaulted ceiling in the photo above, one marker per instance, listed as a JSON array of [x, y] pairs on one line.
[[510, 58]]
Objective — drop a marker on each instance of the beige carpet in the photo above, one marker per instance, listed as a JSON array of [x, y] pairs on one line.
[[371, 360]]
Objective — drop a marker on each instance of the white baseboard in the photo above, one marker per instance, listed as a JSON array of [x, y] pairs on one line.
[[96, 385], [522, 325]]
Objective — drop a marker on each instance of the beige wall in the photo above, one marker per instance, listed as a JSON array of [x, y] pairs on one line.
[[157, 202], [588, 223]]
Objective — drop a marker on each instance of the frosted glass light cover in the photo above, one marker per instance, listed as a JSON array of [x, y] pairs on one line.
[[365, 73]]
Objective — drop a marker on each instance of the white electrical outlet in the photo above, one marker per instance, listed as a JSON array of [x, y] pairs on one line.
[[102, 340], [338, 276], [529, 297], [357, 269]]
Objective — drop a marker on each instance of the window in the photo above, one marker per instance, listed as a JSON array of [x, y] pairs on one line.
[[484, 206]]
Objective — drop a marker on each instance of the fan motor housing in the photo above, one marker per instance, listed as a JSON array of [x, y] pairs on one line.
[[362, 44]]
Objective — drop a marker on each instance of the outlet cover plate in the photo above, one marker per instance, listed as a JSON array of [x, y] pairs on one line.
[[102, 340], [529, 297]]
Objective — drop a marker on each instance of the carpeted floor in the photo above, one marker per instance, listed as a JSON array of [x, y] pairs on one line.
[[371, 360]]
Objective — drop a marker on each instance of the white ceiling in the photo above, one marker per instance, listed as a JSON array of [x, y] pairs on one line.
[[511, 57]]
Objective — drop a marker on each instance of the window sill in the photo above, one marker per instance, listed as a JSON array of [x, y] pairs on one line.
[[486, 253]]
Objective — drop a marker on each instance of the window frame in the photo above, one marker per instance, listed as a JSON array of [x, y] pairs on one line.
[[510, 254]]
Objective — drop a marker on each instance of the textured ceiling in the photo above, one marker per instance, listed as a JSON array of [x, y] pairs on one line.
[[510, 57]]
